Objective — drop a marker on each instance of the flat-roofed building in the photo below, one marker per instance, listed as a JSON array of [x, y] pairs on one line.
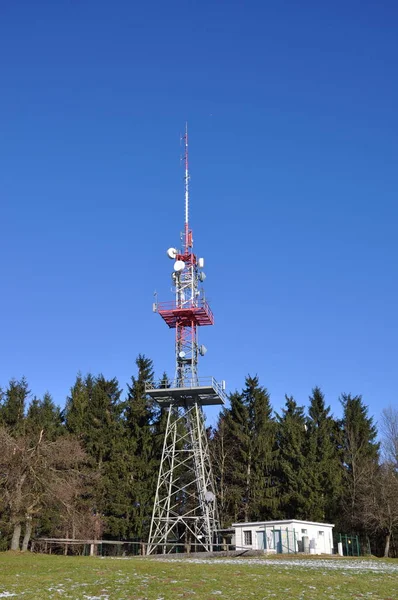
[[285, 537]]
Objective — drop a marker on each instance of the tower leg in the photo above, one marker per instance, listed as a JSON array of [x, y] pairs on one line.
[[185, 507]]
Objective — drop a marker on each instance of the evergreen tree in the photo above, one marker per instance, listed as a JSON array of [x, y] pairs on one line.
[[252, 435], [237, 432], [324, 460], [104, 441], [101, 417], [77, 404], [44, 416], [93, 413], [293, 467], [159, 417], [222, 449], [13, 404], [360, 449], [139, 422]]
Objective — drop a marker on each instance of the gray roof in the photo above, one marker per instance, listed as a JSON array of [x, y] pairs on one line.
[[280, 523]]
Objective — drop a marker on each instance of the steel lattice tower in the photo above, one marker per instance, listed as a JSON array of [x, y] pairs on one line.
[[185, 508]]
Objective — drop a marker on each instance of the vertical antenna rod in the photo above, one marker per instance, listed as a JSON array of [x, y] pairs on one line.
[[186, 180]]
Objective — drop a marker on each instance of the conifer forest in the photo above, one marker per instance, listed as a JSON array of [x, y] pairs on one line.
[[89, 470]]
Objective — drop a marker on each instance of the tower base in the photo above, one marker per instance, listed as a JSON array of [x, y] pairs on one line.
[[185, 510]]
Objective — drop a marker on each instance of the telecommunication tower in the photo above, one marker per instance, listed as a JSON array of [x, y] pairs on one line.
[[185, 508]]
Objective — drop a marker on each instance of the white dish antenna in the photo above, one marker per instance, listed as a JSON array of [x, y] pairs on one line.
[[209, 497], [179, 265], [172, 253]]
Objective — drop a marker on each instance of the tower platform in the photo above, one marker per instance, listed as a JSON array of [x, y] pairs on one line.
[[205, 391], [199, 315]]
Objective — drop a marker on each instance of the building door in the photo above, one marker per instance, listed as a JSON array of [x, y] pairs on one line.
[[261, 544], [278, 540], [320, 542]]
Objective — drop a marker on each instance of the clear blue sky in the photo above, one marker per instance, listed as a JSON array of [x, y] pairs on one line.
[[292, 111]]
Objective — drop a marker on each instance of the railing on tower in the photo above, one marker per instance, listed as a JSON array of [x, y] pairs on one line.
[[200, 313], [198, 384]]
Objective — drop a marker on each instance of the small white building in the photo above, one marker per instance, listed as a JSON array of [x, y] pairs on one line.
[[284, 537]]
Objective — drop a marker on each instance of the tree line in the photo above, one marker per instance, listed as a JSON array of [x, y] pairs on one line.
[[89, 471]]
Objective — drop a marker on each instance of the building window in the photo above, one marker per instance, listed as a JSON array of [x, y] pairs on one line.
[[321, 532], [247, 536], [304, 531]]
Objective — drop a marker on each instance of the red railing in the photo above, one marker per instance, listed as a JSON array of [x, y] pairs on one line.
[[201, 313]]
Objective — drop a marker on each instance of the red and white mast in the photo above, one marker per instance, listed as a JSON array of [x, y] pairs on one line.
[[190, 309], [186, 180], [185, 508]]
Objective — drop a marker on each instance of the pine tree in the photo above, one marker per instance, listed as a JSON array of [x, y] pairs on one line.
[[360, 450], [139, 422], [293, 467], [44, 416], [12, 407], [220, 449], [252, 435], [239, 458], [93, 413], [105, 442], [324, 460], [77, 404], [159, 418]]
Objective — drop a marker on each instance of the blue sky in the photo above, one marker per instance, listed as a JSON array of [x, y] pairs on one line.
[[293, 149]]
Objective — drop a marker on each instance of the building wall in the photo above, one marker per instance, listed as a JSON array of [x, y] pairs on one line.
[[280, 537]]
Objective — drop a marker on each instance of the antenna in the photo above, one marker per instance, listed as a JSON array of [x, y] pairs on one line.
[[188, 235]]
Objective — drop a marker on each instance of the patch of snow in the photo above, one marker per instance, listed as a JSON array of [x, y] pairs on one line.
[[286, 564]]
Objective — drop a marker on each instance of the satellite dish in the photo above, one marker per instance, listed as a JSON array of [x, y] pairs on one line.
[[181, 354], [179, 265], [201, 276], [172, 253], [202, 350], [209, 497]]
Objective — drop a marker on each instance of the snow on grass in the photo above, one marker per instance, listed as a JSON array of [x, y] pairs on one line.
[[326, 564], [45, 577]]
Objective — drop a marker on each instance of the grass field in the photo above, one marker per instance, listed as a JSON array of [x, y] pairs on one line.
[[29, 576]]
